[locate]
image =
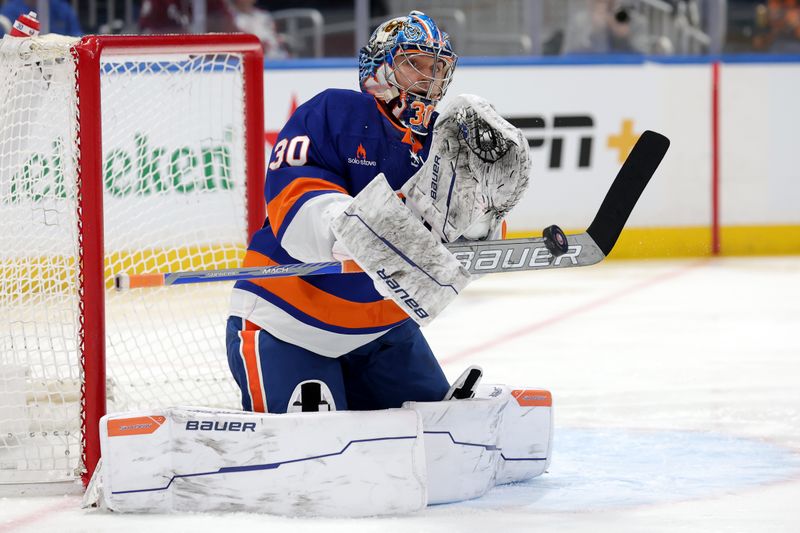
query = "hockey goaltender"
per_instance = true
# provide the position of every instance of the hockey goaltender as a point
(346, 410)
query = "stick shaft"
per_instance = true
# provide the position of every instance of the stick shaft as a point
(137, 281)
(478, 257)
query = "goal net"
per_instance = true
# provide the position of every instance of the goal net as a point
(118, 154)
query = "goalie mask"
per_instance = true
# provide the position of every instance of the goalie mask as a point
(408, 64)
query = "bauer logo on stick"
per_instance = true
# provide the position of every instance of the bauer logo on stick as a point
(507, 258)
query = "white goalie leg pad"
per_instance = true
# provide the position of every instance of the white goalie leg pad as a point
(342, 463)
(502, 435)
(526, 432)
(461, 445)
(396, 250)
(476, 171)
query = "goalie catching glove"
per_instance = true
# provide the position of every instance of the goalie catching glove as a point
(476, 172)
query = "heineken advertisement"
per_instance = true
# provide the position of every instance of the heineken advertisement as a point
(143, 169)
(157, 195)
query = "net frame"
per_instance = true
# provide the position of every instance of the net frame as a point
(87, 54)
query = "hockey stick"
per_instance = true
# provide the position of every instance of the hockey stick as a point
(582, 249)
(483, 257)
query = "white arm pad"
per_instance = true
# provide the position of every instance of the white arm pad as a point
(308, 237)
(477, 167)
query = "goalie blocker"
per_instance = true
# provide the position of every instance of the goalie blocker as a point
(403, 258)
(345, 463)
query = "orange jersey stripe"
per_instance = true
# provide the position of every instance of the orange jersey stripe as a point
(279, 207)
(323, 306)
(251, 367)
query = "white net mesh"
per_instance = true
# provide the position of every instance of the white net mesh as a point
(174, 199)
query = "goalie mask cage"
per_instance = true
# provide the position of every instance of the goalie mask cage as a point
(118, 154)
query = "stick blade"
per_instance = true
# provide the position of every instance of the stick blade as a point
(628, 186)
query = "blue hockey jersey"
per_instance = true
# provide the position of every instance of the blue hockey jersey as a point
(329, 150)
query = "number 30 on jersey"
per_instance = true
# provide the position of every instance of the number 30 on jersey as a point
(422, 113)
(294, 151)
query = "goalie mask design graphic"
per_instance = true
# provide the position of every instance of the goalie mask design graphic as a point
(408, 63)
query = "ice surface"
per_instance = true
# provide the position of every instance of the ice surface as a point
(677, 405)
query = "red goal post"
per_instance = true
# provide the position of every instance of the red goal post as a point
(208, 54)
(90, 163)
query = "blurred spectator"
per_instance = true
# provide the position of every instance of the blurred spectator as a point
(175, 16)
(605, 26)
(778, 26)
(687, 8)
(63, 19)
(251, 19)
(5, 25)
